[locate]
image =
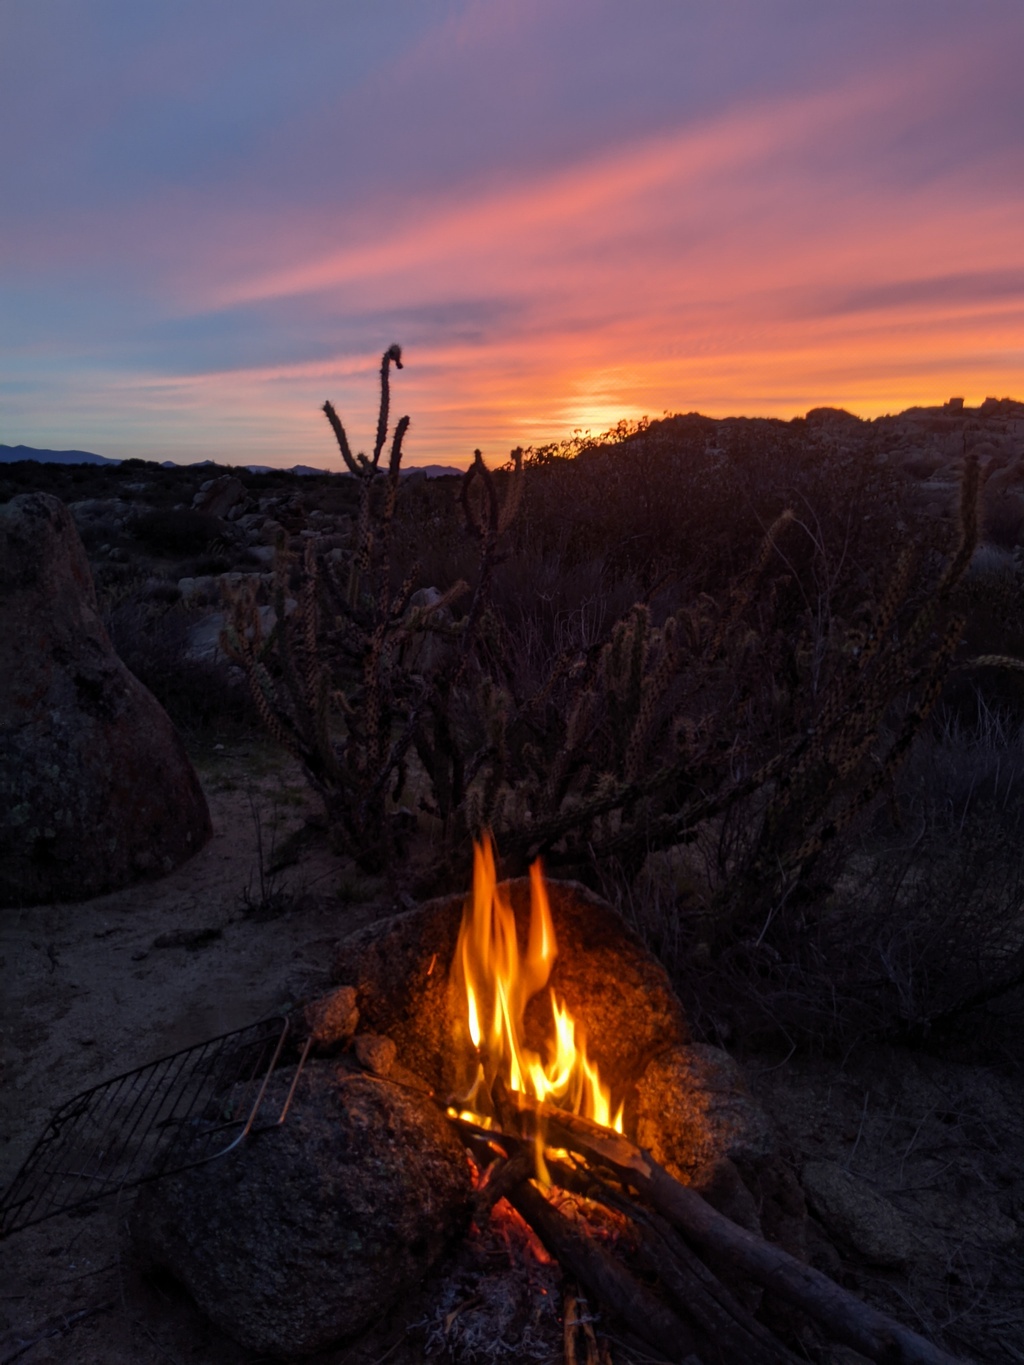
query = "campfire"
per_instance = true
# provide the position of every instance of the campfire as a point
(526, 1027)
(542, 1125)
(496, 982)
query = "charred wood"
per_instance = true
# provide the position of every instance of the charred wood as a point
(604, 1277)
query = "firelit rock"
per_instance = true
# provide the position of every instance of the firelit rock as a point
(333, 1018)
(694, 1108)
(617, 992)
(697, 1118)
(96, 789)
(308, 1232)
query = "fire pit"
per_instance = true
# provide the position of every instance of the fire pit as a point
(528, 1027)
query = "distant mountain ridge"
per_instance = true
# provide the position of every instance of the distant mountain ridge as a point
(12, 454)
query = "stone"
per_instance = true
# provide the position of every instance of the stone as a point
(427, 650)
(310, 1231)
(618, 993)
(333, 1018)
(375, 1053)
(96, 790)
(693, 1108)
(218, 497)
(856, 1216)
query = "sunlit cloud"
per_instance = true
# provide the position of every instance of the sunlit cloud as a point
(852, 240)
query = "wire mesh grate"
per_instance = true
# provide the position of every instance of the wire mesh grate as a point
(176, 1112)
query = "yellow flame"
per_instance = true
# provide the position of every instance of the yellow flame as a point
(497, 982)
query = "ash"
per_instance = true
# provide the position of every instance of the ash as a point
(501, 1299)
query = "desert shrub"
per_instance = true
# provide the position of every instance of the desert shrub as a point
(174, 531)
(619, 744)
(732, 698)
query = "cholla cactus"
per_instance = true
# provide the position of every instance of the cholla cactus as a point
(352, 743)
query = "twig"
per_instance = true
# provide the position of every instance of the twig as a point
(64, 1326)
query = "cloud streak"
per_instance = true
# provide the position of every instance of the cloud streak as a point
(749, 238)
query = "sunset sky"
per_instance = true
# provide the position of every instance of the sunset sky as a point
(215, 214)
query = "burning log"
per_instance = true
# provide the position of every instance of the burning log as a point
(843, 1317)
(603, 1276)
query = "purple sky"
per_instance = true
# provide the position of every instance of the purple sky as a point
(217, 213)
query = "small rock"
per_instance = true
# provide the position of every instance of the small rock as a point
(333, 1018)
(857, 1216)
(375, 1053)
(217, 497)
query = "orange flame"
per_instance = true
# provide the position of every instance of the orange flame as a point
(497, 983)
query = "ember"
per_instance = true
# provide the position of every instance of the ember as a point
(496, 982)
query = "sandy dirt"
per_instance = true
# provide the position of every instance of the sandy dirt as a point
(88, 993)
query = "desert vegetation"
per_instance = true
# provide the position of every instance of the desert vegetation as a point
(738, 675)
(707, 676)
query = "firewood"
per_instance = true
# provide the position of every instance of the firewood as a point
(604, 1277)
(692, 1287)
(843, 1317)
(503, 1177)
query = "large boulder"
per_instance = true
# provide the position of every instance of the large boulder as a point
(308, 1232)
(219, 497)
(96, 790)
(619, 995)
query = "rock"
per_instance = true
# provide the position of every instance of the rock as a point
(426, 651)
(333, 1019)
(694, 1108)
(310, 1231)
(217, 497)
(203, 588)
(96, 789)
(112, 512)
(856, 1216)
(375, 1053)
(202, 643)
(618, 993)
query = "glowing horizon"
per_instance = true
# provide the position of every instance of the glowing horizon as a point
(737, 209)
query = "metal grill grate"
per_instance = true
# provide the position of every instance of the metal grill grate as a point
(173, 1113)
